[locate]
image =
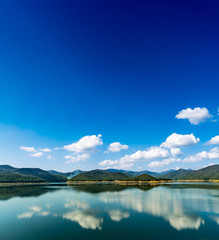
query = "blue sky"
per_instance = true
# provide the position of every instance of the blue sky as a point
(122, 69)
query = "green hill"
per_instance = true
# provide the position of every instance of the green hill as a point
(143, 177)
(12, 177)
(179, 174)
(67, 175)
(99, 175)
(34, 174)
(6, 168)
(39, 173)
(207, 173)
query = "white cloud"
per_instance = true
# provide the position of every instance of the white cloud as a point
(164, 162)
(195, 116)
(79, 157)
(45, 150)
(116, 147)
(28, 149)
(108, 163)
(50, 156)
(37, 154)
(129, 160)
(150, 153)
(175, 152)
(212, 154)
(85, 144)
(214, 140)
(193, 158)
(178, 140)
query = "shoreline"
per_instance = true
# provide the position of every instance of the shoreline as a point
(137, 182)
(118, 182)
(215, 181)
(31, 184)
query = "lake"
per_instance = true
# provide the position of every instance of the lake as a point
(100, 211)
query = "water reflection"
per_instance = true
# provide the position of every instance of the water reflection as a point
(86, 219)
(117, 215)
(179, 208)
(34, 211)
(182, 206)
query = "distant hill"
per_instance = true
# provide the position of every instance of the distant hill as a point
(99, 175)
(134, 173)
(39, 173)
(11, 174)
(67, 175)
(11, 177)
(207, 173)
(33, 174)
(179, 174)
(143, 177)
(6, 168)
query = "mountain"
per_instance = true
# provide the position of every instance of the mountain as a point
(6, 168)
(207, 173)
(12, 177)
(67, 175)
(39, 173)
(165, 172)
(178, 174)
(34, 174)
(133, 173)
(99, 175)
(143, 177)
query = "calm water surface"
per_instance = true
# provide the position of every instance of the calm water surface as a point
(172, 211)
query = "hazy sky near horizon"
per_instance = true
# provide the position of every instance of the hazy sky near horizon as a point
(109, 84)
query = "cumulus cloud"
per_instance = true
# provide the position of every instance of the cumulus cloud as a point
(116, 147)
(175, 152)
(108, 163)
(129, 160)
(28, 149)
(164, 162)
(45, 150)
(212, 154)
(214, 140)
(79, 157)
(85, 144)
(178, 140)
(37, 154)
(195, 116)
